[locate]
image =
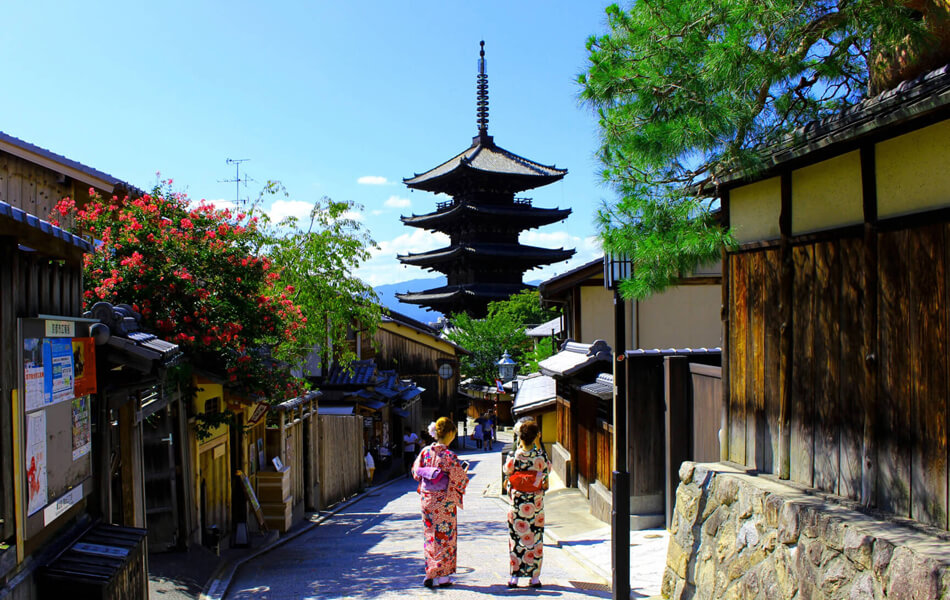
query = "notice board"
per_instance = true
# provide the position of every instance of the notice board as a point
(57, 364)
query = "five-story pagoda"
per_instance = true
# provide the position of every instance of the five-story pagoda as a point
(484, 261)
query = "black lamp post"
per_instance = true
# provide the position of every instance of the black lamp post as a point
(617, 267)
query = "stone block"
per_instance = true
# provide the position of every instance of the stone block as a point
(910, 576)
(702, 475)
(751, 500)
(862, 588)
(668, 584)
(832, 532)
(773, 509)
(711, 524)
(789, 524)
(727, 489)
(881, 558)
(677, 558)
(808, 518)
(687, 503)
(748, 536)
(858, 548)
(835, 577)
(686, 471)
(726, 541)
(785, 574)
(705, 577)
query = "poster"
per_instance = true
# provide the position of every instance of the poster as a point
(33, 379)
(82, 427)
(84, 367)
(58, 362)
(36, 461)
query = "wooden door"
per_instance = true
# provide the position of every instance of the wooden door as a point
(161, 486)
(707, 412)
(214, 486)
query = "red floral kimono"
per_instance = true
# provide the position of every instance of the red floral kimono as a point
(438, 509)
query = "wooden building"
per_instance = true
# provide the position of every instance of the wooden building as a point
(484, 260)
(836, 363)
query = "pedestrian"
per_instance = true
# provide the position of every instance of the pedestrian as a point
(409, 444)
(488, 434)
(442, 480)
(477, 434)
(527, 471)
(370, 466)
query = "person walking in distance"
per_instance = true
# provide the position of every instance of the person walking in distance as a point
(409, 445)
(488, 433)
(477, 434)
(527, 470)
(442, 481)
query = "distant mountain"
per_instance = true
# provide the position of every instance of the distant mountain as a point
(387, 297)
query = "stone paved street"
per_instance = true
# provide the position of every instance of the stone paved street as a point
(373, 549)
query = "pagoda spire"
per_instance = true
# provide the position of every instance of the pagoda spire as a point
(481, 110)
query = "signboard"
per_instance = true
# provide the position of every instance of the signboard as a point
(252, 498)
(260, 409)
(57, 377)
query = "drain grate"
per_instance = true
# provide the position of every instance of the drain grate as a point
(591, 586)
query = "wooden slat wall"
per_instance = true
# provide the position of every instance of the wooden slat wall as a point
(605, 467)
(845, 367)
(340, 457)
(645, 422)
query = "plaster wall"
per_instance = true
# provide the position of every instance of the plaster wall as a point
(754, 210)
(597, 315)
(685, 316)
(912, 173)
(827, 194)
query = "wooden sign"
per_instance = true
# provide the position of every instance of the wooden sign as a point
(252, 498)
(259, 411)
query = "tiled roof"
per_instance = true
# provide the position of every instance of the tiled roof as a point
(526, 214)
(450, 292)
(509, 252)
(574, 357)
(25, 219)
(122, 327)
(483, 156)
(602, 386)
(360, 372)
(552, 327)
(534, 393)
(910, 100)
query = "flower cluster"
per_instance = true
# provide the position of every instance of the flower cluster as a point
(197, 277)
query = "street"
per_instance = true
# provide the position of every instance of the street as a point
(373, 549)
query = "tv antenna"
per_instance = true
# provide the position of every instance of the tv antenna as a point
(237, 181)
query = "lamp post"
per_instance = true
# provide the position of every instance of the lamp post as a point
(506, 373)
(617, 267)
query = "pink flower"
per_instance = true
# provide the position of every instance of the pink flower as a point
(527, 510)
(521, 526)
(528, 540)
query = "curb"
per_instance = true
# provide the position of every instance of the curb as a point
(220, 581)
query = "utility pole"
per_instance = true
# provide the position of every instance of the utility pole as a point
(237, 181)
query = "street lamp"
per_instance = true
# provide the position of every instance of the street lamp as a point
(617, 267)
(506, 368)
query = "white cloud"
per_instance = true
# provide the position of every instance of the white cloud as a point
(352, 215)
(377, 212)
(372, 180)
(417, 241)
(588, 249)
(397, 202)
(281, 209)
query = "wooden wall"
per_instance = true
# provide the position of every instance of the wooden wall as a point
(30, 283)
(416, 361)
(340, 457)
(869, 395)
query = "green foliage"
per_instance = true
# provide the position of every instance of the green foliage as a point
(524, 307)
(688, 91)
(487, 339)
(502, 330)
(317, 258)
(543, 349)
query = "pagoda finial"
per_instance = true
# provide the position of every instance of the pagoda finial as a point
(482, 104)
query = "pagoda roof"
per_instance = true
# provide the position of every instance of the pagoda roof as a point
(527, 216)
(455, 293)
(509, 252)
(484, 159)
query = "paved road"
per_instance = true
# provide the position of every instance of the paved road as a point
(373, 549)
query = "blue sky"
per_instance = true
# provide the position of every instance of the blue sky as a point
(338, 99)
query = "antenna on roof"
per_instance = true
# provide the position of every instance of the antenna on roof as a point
(237, 181)
(482, 104)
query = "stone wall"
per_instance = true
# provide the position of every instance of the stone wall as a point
(737, 535)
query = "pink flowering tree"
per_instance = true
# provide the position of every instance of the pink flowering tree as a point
(199, 278)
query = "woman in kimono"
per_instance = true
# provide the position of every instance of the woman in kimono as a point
(526, 515)
(438, 507)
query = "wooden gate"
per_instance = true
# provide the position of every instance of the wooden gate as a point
(340, 457)
(161, 486)
(214, 484)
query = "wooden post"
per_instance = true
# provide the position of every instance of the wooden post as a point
(724, 342)
(10, 300)
(678, 420)
(783, 467)
(871, 318)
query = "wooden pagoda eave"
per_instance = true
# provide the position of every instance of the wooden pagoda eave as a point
(528, 217)
(518, 253)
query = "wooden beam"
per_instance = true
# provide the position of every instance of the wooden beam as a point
(869, 467)
(786, 298)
